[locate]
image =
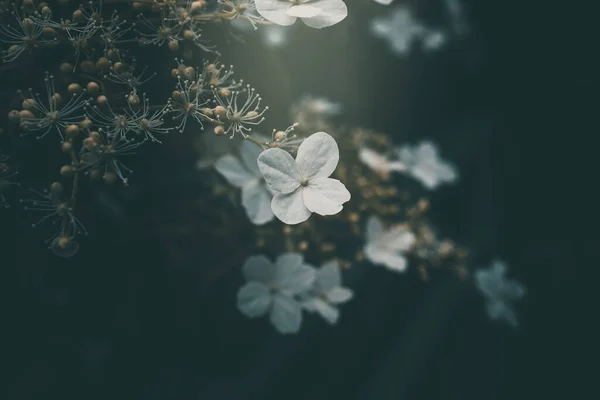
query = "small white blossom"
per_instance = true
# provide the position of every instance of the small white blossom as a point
(271, 288)
(314, 13)
(499, 292)
(303, 185)
(401, 30)
(425, 165)
(385, 247)
(256, 195)
(379, 162)
(327, 293)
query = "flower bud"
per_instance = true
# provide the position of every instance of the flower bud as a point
(173, 45)
(14, 116)
(72, 131)
(66, 68)
(109, 177)
(88, 66)
(220, 111)
(103, 63)
(66, 147)
(219, 130)
(66, 170)
(29, 104)
(224, 92)
(74, 88)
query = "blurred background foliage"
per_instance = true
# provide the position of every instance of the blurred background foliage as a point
(145, 311)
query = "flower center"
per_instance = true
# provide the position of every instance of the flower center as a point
(304, 182)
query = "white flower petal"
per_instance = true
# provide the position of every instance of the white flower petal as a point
(288, 260)
(290, 208)
(326, 310)
(399, 240)
(232, 169)
(325, 196)
(249, 153)
(259, 269)
(328, 277)
(253, 299)
(384, 2)
(294, 278)
(371, 159)
(375, 228)
(279, 169)
(303, 11)
(379, 256)
(275, 11)
(332, 12)
(286, 314)
(256, 199)
(317, 156)
(339, 295)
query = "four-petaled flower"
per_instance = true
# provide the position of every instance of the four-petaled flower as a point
(385, 247)
(379, 162)
(256, 195)
(327, 293)
(424, 164)
(303, 185)
(314, 13)
(272, 288)
(499, 292)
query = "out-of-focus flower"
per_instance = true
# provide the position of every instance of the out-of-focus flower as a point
(499, 292)
(211, 147)
(386, 247)
(303, 185)
(256, 196)
(384, 2)
(400, 29)
(327, 293)
(273, 35)
(321, 105)
(424, 164)
(379, 162)
(271, 289)
(314, 13)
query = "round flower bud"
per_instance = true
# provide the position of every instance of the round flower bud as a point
(220, 111)
(174, 73)
(96, 174)
(66, 170)
(78, 16)
(74, 88)
(72, 131)
(14, 116)
(112, 54)
(88, 66)
(93, 88)
(24, 114)
(210, 67)
(96, 136)
(46, 11)
(119, 66)
(13, 49)
(56, 188)
(63, 242)
(109, 177)
(206, 111)
(57, 99)
(66, 147)
(101, 100)
(86, 123)
(219, 130)
(28, 24)
(29, 104)
(251, 114)
(190, 72)
(48, 32)
(224, 92)
(188, 35)
(89, 143)
(173, 45)
(103, 63)
(279, 136)
(66, 68)
(177, 96)
(197, 5)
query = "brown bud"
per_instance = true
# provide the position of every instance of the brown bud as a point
(173, 45)
(109, 177)
(66, 170)
(220, 111)
(72, 131)
(206, 111)
(224, 92)
(86, 123)
(78, 16)
(177, 96)
(66, 147)
(188, 35)
(26, 114)
(119, 66)
(29, 104)
(88, 66)
(96, 173)
(101, 100)
(14, 116)
(219, 130)
(74, 88)
(103, 63)
(56, 188)
(66, 68)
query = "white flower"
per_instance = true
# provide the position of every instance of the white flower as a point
(314, 13)
(256, 195)
(384, 2)
(499, 292)
(425, 165)
(400, 29)
(327, 293)
(271, 289)
(302, 186)
(385, 247)
(379, 163)
(321, 105)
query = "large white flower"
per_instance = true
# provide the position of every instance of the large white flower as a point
(379, 162)
(303, 185)
(327, 293)
(385, 247)
(314, 13)
(271, 289)
(499, 292)
(424, 164)
(256, 195)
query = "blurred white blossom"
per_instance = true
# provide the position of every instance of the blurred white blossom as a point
(499, 292)
(210, 147)
(271, 288)
(320, 105)
(384, 2)
(245, 174)
(273, 36)
(303, 185)
(327, 293)
(400, 29)
(379, 162)
(386, 246)
(424, 164)
(314, 13)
